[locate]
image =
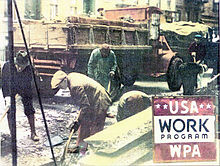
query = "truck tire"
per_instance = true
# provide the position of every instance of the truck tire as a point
(173, 76)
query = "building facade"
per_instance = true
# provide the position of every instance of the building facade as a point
(210, 14)
(173, 10)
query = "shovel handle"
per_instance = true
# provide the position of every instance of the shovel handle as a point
(4, 115)
(109, 86)
(69, 139)
(16, 96)
(67, 144)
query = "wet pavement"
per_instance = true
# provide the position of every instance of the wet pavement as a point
(59, 114)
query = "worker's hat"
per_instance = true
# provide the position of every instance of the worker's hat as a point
(198, 36)
(58, 77)
(100, 9)
(21, 59)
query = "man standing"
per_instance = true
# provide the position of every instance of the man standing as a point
(22, 87)
(102, 65)
(197, 49)
(189, 75)
(92, 99)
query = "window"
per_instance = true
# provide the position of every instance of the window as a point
(73, 2)
(147, 2)
(215, 5)
(14, 15)
(88, 6)
(178, 15)
(5, 8)
(53, 8)
(54, 1)
(73, 10)
(168, 4)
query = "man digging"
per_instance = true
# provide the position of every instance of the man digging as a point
(92, 99)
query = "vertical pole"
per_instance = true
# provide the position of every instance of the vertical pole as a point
(35, 82)
(218, 81)
(13, 105)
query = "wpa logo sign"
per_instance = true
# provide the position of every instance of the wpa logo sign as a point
(184, 128)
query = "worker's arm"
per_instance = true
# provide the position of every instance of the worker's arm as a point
(92, 63)
(114, 64)
(193, 54)
(114, 61)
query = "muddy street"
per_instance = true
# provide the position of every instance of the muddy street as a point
(59, 114)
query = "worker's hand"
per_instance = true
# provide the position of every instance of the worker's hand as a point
(111, 74)
(204, 68)
(7, 102)
(74, 126)
(193, 54)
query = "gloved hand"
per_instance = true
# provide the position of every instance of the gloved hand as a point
(74, 126)
(111, 74)
(7, 102)
(204, 68)
(193, 54)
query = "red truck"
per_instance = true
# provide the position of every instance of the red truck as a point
(57, 45)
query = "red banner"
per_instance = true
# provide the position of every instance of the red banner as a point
(184, 129)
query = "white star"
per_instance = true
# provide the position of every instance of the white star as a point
(208, 106)
(201, 106)
(158, 105)
(165, 106)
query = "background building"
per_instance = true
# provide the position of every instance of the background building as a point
(173, 10)
(205, 11)
(210, 13)
(3, 29)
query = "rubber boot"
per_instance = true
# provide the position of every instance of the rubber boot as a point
(31, 121)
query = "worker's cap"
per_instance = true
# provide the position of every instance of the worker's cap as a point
(105, 47)
(100, 9)
(198, 36)
(105, 50)
(58, 77)
(21, 59)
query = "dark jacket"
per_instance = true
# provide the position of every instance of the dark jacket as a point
(199, 48)
(22, 81)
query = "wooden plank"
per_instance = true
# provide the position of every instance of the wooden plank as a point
(47, 61)
(47, 67)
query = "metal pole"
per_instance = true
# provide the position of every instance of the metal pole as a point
(12, 114)
(35, 82)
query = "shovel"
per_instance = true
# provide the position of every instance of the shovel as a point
(67, 144)
(109, 86)
(16, 96)
(4, 115)
(69, 138)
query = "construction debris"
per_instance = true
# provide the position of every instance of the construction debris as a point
(117, 144)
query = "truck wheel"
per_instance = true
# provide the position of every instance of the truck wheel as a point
(173, 76)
